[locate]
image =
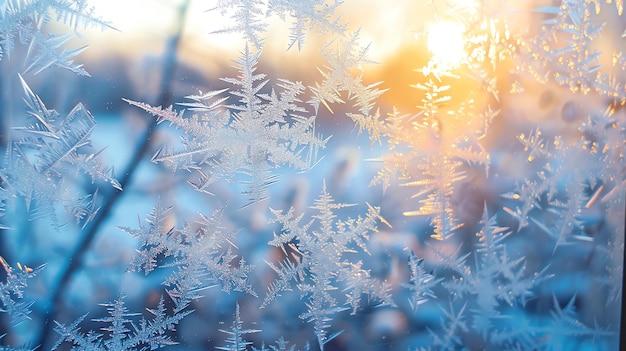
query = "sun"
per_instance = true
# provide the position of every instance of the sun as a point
(446, 43)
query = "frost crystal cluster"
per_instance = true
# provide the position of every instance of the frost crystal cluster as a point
(466, 191)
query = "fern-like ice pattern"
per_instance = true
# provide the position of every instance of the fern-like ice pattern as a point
(261, 132)
(24, 21)
(46, 152)
(201, 253)
(498, 226)
(318, 262)
(124, 334)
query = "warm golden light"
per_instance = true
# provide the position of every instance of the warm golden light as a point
(445, 42)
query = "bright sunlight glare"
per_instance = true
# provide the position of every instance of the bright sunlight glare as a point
(445, 42)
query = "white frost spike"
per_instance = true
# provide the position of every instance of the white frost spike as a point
(321, 263)
(48, 155)
(244, 141)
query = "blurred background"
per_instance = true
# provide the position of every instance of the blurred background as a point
(159, 51)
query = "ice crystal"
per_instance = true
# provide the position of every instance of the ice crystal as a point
(494, 278)
(201, 252)
(453, 326)
(122, 334)
(261, 132)
(235, 340)
(12, 291)
(421, 283)
(565, 325)
(280, 345)
(247, 18)
(567, 49)
(318, 261)
(24, 21)
(46, 153)
(344, 58)
(251, 17)
(551, 178)
(307, 14)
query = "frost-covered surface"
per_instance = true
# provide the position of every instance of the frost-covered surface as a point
(488, 214)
